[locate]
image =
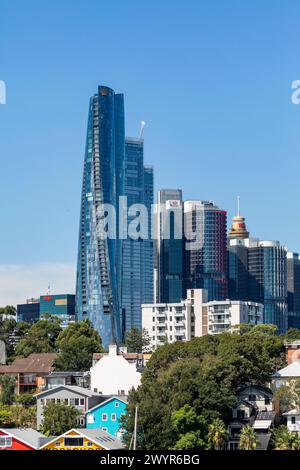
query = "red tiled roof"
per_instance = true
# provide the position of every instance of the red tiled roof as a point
(35, 363)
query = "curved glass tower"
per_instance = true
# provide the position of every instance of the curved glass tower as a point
(99, 265)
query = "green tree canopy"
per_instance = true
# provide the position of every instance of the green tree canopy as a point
(248, 439)
(205, 374)
(136, 340)
(58, 418)
(7, 393)
(76, 345)
(190, 430)
(40, 338)
(217, 433)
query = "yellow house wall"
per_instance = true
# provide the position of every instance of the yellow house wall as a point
(52, 446)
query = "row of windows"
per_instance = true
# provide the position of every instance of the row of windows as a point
(64, 401)
(5, 441)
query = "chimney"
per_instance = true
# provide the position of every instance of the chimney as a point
(112, 350)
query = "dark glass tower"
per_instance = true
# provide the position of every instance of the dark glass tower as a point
(205, 263)
(99, 268)
(137, 266)
(169, 262)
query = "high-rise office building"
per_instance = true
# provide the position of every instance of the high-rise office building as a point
(205, 251)
(169, 246)
(99, 268)
(137, 265)
(268, 280)
(293, 287)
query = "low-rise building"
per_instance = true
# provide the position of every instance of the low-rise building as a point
(287, 374)
(194, 317)
(21, 439)
(81, 398)
(293, 420)
(55, 378)
(107, 416)
(30, 372)
(112, 374)
(255, 408)
(83, 439)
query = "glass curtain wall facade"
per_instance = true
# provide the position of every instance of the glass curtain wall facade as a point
(137, 266)
(267, 267)
(99, 266)
(168, 252)
(205, 264)
(293, 285)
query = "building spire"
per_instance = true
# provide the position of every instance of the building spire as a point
(238, 227)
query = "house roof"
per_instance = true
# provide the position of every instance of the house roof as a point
(123, 400)
(263, 441)
(34, 363)
(293, 412)
(28, 436)
(98, 436)
(127, 356)
(73, 388)
(265, 390)
(292, 370)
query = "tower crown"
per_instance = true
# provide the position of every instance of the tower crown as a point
(238, 227)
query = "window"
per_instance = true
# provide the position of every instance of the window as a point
(113, 417)
(104, 417)
(72, 401)
(66, 401)
(104, 429)
(252, 397)
(241, 414)
(96, 390)
(5, 441)
(42, 401)
(90, 419)
(81, 401)
(267, 401)
(293, 420)
(73, 441)
(89, 444)
(76, 401)
(117, 404)
(57, 444)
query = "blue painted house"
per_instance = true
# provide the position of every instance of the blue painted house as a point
(107, 415)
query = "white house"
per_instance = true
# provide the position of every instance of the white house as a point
(293, 420)
(112, 374)
(285, 375)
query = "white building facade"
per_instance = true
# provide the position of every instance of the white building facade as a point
(112, 374)
(195, 316)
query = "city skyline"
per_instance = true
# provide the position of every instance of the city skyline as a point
(246, 124)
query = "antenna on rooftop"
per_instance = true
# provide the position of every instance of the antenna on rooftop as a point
(238, 205)
(142, 129)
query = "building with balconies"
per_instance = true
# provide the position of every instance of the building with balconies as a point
(194, 316)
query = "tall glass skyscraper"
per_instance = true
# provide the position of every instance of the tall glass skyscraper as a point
(169, 256)
(99, 268)
(205, 263)
(137, 267)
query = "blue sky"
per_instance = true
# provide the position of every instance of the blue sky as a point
(212, 80)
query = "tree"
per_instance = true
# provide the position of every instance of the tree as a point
(40, 338)
(7, 384)
(9, 310)
(288, 396)
(292, 334)
(26, 399)
(58, 418)
(204, 373)
(217, 433)
(190, 429)
(23, 416)
(248, 439)
(137, 341)
(76, 345)
(5, 417)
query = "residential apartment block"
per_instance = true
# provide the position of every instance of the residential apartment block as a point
(194, 316)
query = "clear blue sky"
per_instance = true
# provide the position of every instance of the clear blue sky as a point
(212, 80)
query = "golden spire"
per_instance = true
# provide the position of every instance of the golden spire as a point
(238, 228)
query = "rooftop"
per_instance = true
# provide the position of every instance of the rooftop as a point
(34, 363)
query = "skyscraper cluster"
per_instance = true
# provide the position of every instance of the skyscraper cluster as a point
(175, 246)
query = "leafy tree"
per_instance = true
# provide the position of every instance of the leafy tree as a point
(248, 439)
(190, 429)
(8, 310)
(40, 338)
(76, 345)
(137, 341)
(217, 433)
(292, 334)
(5, 417)
(282, 439)
(58, 418)
(205, 374)
(23, 416)
(26, 399)
(7, 384)
(288, 396)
